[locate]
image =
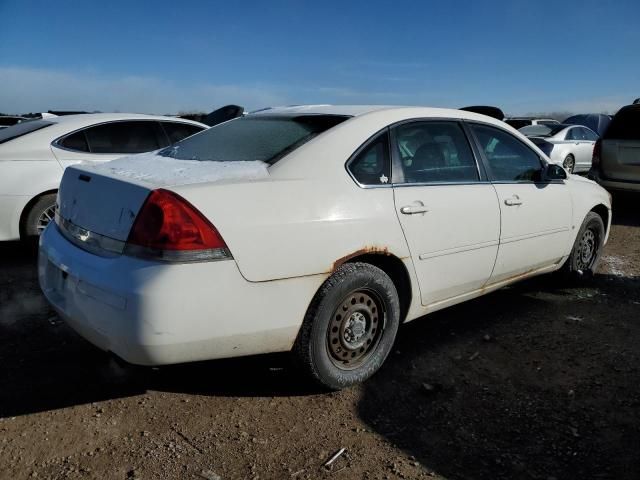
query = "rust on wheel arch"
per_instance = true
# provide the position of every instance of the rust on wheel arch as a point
(363, 251)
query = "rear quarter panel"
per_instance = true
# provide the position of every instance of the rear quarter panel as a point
(296, 227)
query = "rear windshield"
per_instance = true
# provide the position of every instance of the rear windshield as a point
(542, 130)
(260, 137)
(625, 125)
(21, 129)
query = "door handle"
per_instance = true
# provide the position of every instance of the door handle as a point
(515, 200)
(413, 209)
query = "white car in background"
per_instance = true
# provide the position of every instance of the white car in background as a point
(33, 155)
(568, 145)
(315, 229)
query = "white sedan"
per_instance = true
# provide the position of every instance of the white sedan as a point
(316, 230)
(568, 145)
(33, 155)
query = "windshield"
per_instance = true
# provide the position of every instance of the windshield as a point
(21, 129)
(542, 130)
(259, 137)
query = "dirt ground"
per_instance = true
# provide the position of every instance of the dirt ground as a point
(537, 381)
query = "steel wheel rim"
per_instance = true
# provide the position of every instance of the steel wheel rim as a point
(45, 217)
(355, 329)
(587, 249)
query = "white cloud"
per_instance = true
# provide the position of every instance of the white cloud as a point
(26, 89)
(32, 90)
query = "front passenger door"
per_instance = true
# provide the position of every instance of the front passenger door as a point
(448, 210)
(535, 216)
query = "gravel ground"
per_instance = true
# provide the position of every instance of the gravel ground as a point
(536, 381)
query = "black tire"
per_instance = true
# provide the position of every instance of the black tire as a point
(35, 223)
(365, 333)
(587, 249)
(569, 163)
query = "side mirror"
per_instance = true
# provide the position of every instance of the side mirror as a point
(554, 172)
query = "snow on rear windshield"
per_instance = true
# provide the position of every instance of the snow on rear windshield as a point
(252, 138)
(20, 129)
(165, 171)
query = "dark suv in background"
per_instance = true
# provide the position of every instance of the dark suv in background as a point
(616, 155)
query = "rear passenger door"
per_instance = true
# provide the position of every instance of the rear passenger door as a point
(108, 141)
(448, 210)
(535, 215)
(585, 140)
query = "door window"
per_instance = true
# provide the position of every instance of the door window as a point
(435, 152)
(510, 160)
(126, 137)
(589, 135)
(372, 166)
(572, 134)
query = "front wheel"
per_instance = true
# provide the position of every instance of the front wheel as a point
(587, 249)
(349, 328)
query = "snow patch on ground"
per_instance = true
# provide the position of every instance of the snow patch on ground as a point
(166, 171)
(615, 265)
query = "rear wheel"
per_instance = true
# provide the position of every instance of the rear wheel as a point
(587, 249)
(41, 213)
(569, 163)
(350, 326)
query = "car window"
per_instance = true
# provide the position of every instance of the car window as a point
(589, 134)
(76, 141)
(254, 137)
(435, 152)
(510, 160)
(126, 137)
(176, 131)
(372, 166)
(572, 134)
(582, 134)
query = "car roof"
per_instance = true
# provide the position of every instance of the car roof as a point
(90, 118)
(397, 111)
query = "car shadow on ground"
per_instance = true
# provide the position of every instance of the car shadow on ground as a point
(535, 381)
(625, 209)
(46, 366)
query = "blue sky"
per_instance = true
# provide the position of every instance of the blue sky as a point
(168, 56)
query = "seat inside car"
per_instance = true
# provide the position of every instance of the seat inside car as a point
(426, 163)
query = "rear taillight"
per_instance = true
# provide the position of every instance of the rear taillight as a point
(169, 228)
(597, 152)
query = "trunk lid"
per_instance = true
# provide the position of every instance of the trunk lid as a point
(100, 203)
(620, 159)
(106, 198)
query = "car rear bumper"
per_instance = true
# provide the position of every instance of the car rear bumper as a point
(620, 185)
(149, 313)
